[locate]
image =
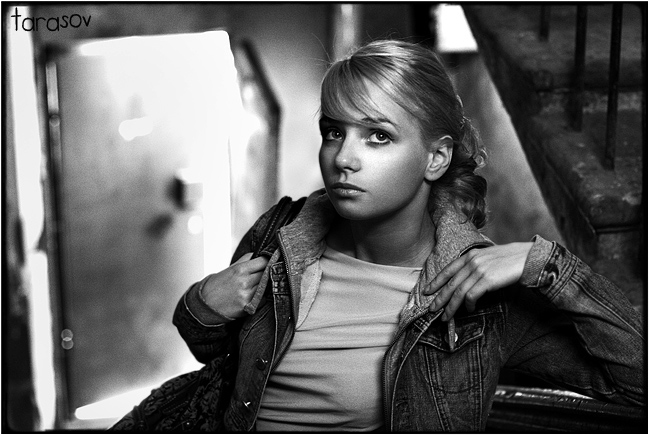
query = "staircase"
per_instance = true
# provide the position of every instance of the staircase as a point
(594, 190)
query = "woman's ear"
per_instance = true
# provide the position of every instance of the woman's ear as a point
(439, 158)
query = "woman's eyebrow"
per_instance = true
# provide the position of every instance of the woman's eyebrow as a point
(324, 119)
(367, 120)
(370, 120)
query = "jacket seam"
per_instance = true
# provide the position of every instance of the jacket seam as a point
(196, 318)
(554, 289)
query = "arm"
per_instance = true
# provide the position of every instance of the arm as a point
(565, 323)
(575, 328)
(205, 340)
(206, 328)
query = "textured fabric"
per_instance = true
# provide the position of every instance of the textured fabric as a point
(330, 377)
(575, 329)
(185, 403)
(535, 262)
(197, 306)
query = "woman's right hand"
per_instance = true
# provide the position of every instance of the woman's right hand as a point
(227, 292)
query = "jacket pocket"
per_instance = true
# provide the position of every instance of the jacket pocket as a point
(469, 327)
(474, 357)
(450, 386)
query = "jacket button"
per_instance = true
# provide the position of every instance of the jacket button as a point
(260, 364)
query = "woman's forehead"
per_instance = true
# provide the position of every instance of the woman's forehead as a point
(347, 113)
(354, 102)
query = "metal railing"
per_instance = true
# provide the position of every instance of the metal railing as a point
(580, 67)
(613, 82)
(614, 71)
(613, 90)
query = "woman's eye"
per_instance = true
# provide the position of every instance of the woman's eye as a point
(379, 137)
(332, 134)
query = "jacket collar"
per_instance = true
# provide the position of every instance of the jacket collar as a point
(455, 235)
(303, 242)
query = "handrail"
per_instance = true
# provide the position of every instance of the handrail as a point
(523, 409)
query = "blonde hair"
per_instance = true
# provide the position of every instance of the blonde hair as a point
(414, 77)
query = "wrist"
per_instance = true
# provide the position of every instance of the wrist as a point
(201, 297)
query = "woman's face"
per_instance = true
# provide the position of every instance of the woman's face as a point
(373, 167)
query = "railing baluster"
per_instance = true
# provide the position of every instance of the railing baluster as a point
(613, 84)
(544, 29)
(580, 67)
(643, 210)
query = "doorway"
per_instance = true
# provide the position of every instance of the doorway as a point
(142, 133)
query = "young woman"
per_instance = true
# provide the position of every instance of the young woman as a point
(384, 307)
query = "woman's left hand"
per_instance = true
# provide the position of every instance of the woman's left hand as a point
(477, 272)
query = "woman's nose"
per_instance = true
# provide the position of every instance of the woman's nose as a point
(347, 156)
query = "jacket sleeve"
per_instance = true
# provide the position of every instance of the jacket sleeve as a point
(204, 331)
(574, 328)
(205, 341)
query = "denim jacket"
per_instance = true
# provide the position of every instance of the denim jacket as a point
(561, 322)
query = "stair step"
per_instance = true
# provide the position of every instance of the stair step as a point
(597, 210)
(606, 198)
(510, 46)
(628, 149)
(549, 65)
(628, 132)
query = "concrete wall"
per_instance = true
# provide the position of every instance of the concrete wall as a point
(517, 211)
(291, 40)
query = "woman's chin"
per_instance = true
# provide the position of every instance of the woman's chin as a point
(353, 210)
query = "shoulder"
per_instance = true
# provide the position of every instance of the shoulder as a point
(284, 211)
(280, 214)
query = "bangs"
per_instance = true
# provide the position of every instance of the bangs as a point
(344, 95)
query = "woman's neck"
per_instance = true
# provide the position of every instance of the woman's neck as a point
(386, 241)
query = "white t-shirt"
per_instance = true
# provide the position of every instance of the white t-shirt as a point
(330, 376)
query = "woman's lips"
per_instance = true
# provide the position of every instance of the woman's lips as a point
(346, 189)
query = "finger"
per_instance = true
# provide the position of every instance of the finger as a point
(442, 278)
(245, 296)
(252, 266)
(474, 294)
(244, 257)
(447, 291)
(253, 279)
(459, 296)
